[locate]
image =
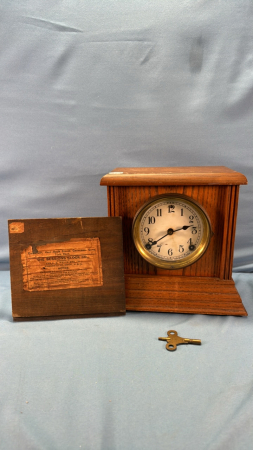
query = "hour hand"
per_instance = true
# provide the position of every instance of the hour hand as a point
(183, 228)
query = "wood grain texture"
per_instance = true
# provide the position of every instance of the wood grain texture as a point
(105, 297)
(167, 176)
(205, 287)
(183, 295)
(232, 231)
(125, 202)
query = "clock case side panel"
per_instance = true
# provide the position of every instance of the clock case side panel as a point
(229, 233)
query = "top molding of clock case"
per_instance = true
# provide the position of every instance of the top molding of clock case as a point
(167, 176)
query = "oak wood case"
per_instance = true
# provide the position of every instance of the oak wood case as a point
(149, 288)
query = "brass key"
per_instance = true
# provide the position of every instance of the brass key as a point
(173, 340)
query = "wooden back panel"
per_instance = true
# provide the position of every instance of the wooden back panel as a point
(65, 286)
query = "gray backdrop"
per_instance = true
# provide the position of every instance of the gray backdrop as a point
(87, 86)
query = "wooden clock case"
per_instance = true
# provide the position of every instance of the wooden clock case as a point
(205, 287)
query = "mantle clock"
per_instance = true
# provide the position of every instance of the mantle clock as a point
(178, 236)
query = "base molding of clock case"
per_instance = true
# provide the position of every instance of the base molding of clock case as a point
(190, 295)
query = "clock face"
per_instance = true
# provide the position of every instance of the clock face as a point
(171, 231)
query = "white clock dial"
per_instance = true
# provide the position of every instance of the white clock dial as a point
(171, 231)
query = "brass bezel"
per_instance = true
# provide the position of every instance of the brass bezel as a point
(188, 260)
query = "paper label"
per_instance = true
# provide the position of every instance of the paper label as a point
(17, 227)
(64, 265)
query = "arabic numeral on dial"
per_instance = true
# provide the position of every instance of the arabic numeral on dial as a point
(182, 212)
(181, 249)
(171, 208)
(170, 252)
(194, 230)
(151, 220)
(191, 219)
(146, 230)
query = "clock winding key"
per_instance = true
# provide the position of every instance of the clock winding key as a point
(173, 340)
